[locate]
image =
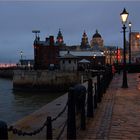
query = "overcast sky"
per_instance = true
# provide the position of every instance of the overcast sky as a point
(19, 18)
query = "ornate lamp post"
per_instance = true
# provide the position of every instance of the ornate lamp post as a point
(124, 16)
(130, 25)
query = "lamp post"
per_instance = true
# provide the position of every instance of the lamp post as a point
(130, 25)
(124, 16)
(21, 55)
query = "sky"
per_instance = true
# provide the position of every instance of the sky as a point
(18, 19)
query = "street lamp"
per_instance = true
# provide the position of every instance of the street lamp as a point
(130, 25)
(124, 16)
(21, 54)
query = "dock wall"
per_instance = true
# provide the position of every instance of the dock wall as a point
(44, 80)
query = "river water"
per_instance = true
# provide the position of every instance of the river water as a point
(16, 105)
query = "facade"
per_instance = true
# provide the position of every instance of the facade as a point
(97, 40)
(93, 58)
(135, 46)
(45, 53)
(68, 62)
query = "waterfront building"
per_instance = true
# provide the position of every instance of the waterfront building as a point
(135, 46)
(68, 62)
(93, 58)
(45, 53)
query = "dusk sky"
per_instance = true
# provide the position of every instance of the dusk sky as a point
(19, 18)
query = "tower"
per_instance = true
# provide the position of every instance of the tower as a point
(84, 41)
(59, 40)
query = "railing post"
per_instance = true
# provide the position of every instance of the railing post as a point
(90, 99)
(71, 122)
(49, 128)
(83, 117)
(3, 131)
(98, 87)
(95, 95)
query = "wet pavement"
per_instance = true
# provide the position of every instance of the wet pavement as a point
(118, 115)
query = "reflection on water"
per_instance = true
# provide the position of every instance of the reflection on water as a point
(16, 105)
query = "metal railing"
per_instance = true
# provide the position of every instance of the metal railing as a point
(81, 101)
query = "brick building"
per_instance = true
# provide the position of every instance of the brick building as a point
(45, 53)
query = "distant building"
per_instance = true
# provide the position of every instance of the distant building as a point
(26, 63)
(97, 40)
(84, 42)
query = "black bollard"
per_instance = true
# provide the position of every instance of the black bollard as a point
(80, 96)
(71, 121)
(98, 88)
(3, 131)
(49, 128)
(83, 117)
(90, 99)
(95, 95)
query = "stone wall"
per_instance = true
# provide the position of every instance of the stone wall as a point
(44, 79)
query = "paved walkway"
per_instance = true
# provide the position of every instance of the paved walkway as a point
(118, 115)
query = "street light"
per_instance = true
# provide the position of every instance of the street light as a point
(130, 25)
(124, 16)
(21, 54)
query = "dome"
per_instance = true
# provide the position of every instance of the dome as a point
(97, 35)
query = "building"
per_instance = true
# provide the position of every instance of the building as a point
(68, 62)
(135, 45)
(84, 42)
(45, 53)
(93, 58)
(97, 40)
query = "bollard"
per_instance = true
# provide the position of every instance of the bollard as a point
(98, 88)
(95, 95)
(3, 131)
(80, 96)
(83, 117)
(71, 121)
(49, 128)
(90, 99)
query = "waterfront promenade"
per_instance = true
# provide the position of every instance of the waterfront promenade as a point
(118, 115)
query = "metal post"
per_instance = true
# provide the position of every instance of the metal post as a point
(90, 99)
(49, 128)
(124, 84)
(98, 87)
(71, 122)
(129, 44)
(95, 95)
(3, 131)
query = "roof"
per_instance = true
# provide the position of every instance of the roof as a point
(84, 61)
(97, 35)
(67, 55)
(82, 53)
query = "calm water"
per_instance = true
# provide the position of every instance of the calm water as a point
(14, 106)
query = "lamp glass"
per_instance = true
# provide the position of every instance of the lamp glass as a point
(124, 16)
(130, 24)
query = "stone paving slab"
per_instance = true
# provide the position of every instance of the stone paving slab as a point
(118, 115)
